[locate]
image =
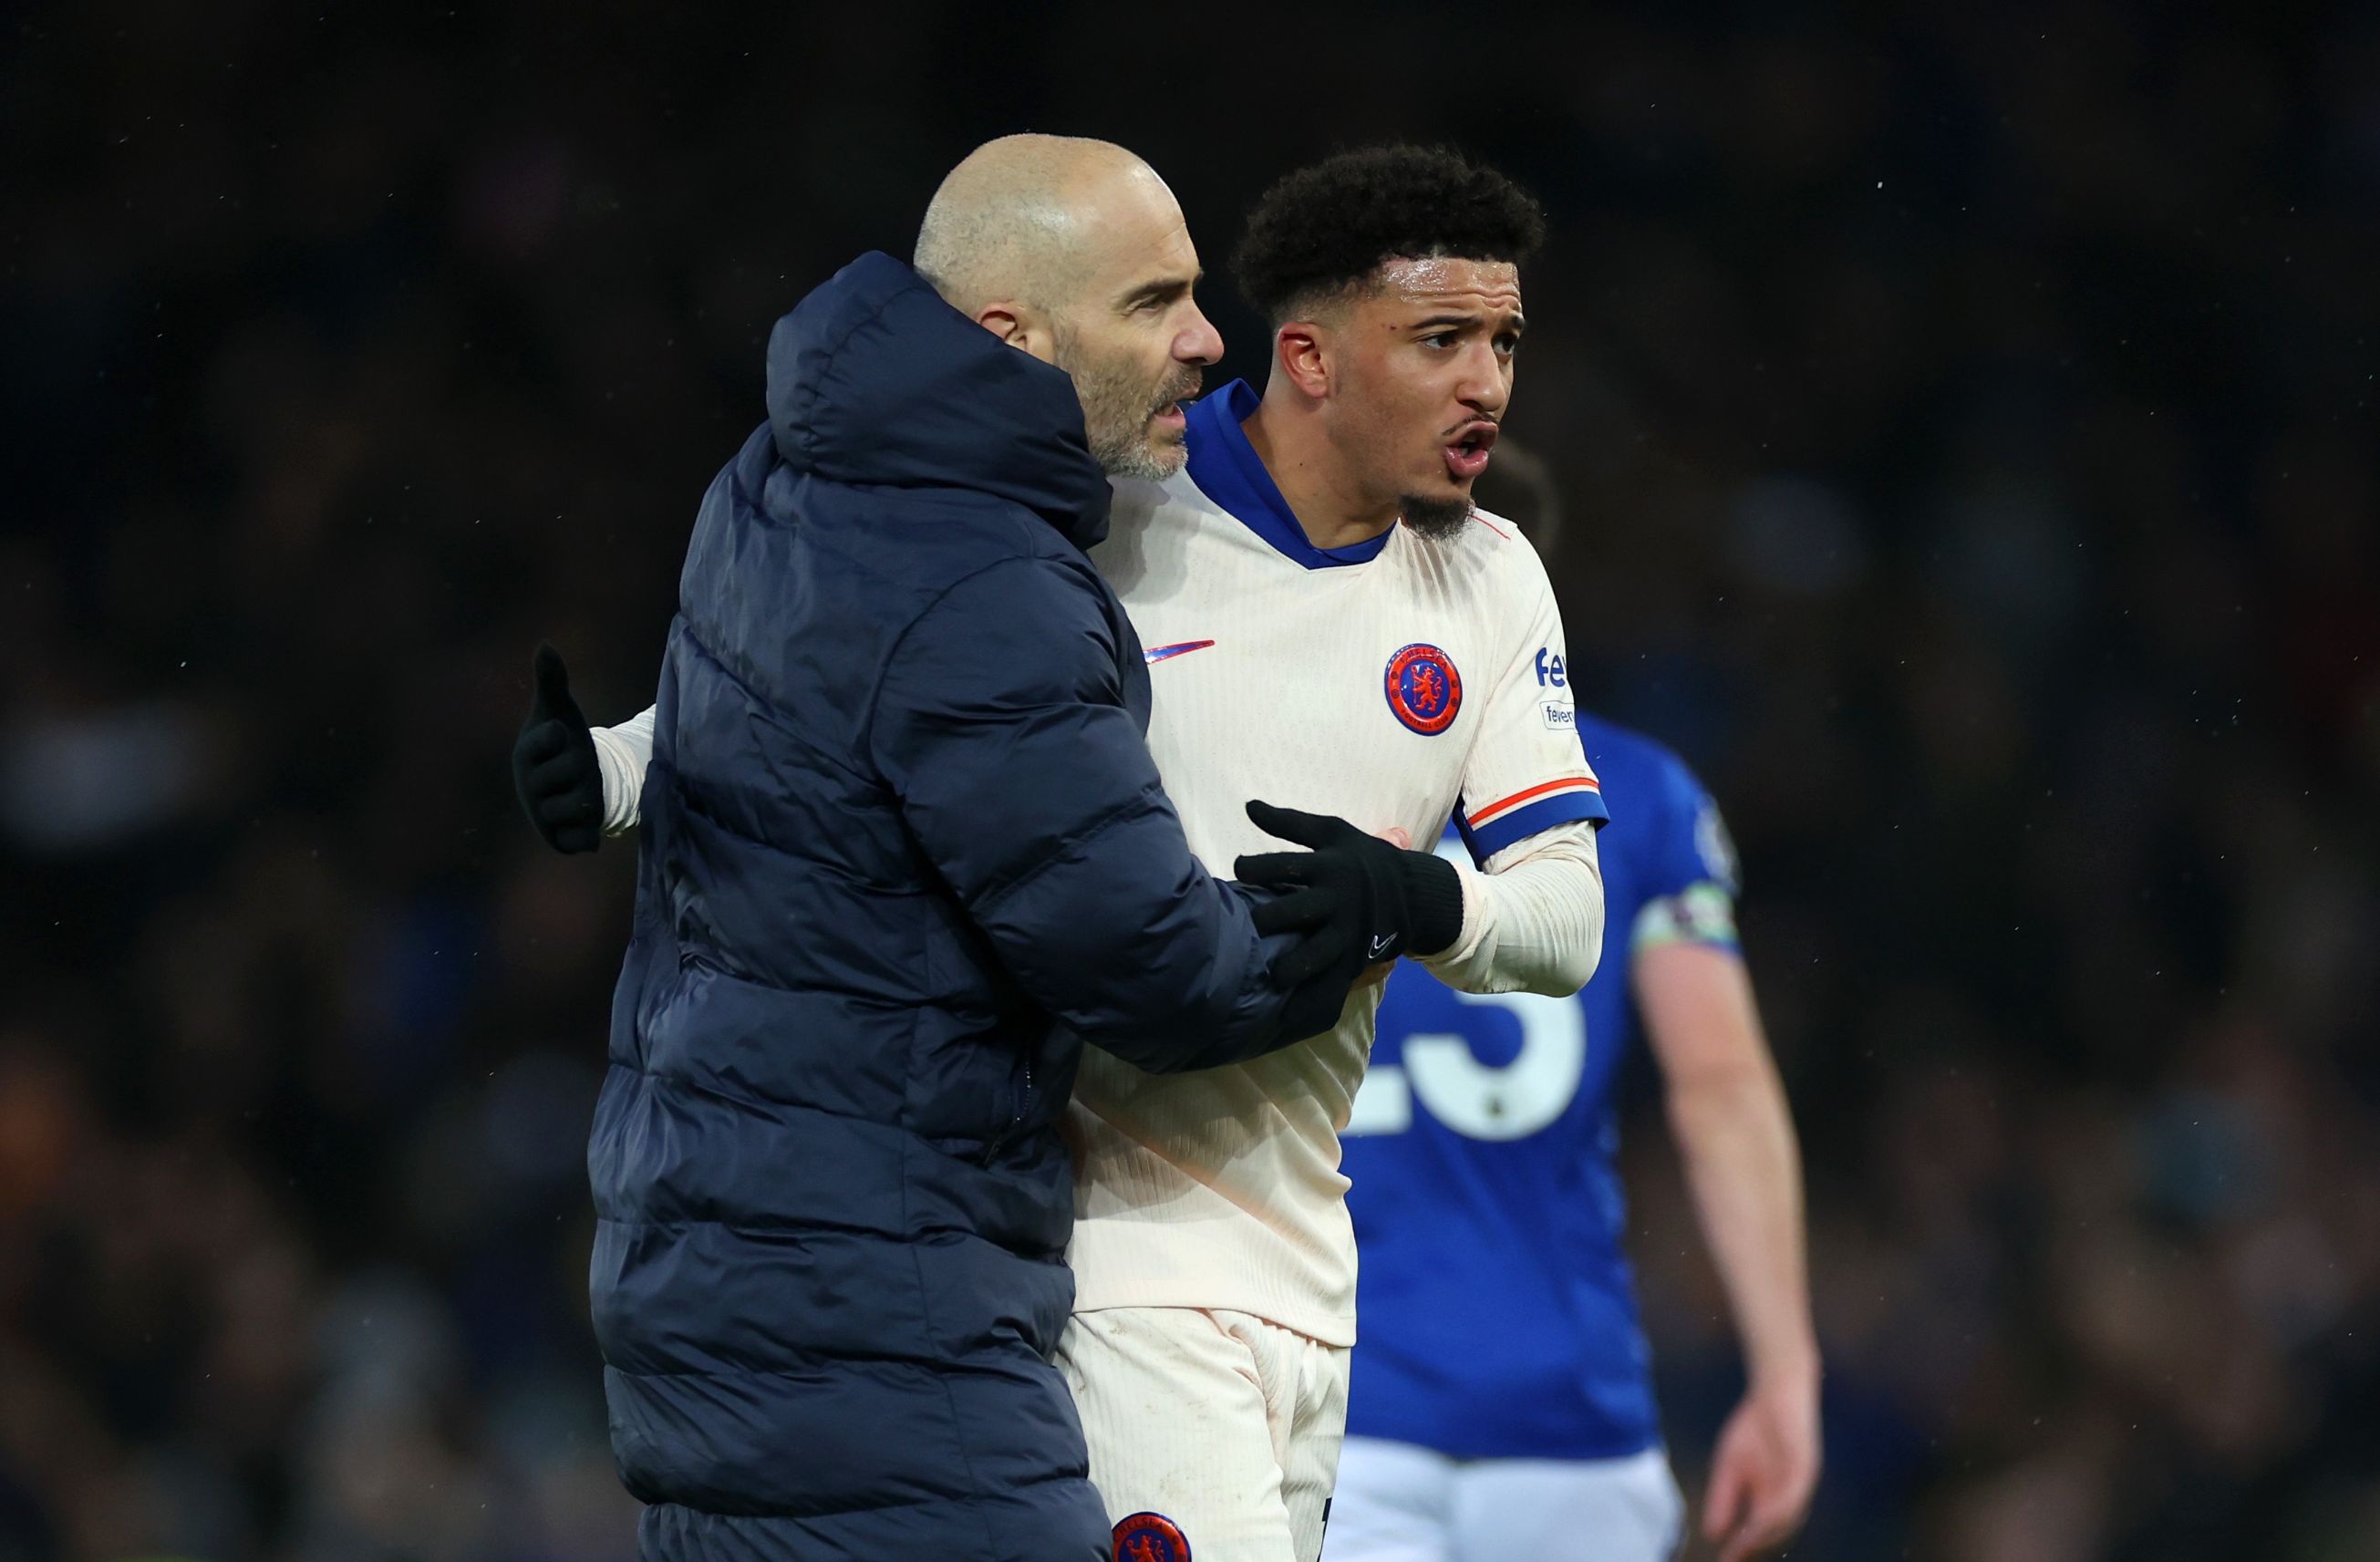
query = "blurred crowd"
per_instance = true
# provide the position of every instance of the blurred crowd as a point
(1966, 436)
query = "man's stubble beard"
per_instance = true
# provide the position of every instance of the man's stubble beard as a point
(1118, 405)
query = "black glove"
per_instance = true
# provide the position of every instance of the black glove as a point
(1316, 972)
(555, 769)
(1363, 899)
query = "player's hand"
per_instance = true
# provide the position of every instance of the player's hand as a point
(1348, 900)
(1384, 900)
(555, 769)
(1764, 1469)
(1313, 972)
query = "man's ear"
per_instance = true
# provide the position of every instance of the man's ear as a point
(1021, 326)
(1302, 349)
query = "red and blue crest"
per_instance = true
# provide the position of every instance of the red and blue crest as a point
(1150, 1537)
(1423, 689)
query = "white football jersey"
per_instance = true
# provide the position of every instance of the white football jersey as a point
(1392, 683)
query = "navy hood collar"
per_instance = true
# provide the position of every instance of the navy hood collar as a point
(873, 379)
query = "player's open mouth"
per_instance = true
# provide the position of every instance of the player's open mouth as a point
(1466, 455)
(1169, 416)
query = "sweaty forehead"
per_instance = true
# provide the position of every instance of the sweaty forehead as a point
(1450, 282)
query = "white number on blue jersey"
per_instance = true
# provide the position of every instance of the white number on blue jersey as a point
(1475, 1099)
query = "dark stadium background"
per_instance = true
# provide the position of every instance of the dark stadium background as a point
(1966, 430)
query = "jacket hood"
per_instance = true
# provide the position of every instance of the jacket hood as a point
(874, 379)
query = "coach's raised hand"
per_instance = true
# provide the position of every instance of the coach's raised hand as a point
(1382, 901)
(555, 769)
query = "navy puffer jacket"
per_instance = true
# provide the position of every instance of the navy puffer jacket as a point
(904, 851)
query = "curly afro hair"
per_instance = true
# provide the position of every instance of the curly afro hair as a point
(1324, 228)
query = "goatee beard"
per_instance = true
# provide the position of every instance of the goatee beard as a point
(1435, 518)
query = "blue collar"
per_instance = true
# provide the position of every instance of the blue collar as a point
(1226, 470)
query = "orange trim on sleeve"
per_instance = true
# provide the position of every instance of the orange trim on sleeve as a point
(1481, 815)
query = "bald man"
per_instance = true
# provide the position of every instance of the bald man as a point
(1075, 250)
(905, 851)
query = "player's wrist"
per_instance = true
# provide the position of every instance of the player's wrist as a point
(618, 775)
(1794, 1369)
(1433, 902)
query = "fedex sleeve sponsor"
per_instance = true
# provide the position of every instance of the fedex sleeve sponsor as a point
(1526, 772)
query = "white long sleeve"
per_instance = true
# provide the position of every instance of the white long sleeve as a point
(622, 753)
(1534, 921)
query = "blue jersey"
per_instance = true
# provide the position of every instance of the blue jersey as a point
(1497, 1315)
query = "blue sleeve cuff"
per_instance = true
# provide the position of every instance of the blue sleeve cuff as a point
(1521, 823)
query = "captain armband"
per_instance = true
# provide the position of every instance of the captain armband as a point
(1701, 914)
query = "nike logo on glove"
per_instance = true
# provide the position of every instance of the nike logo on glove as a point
(1180, 647)
(1380, 942)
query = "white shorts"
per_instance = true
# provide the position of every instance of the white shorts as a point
(1397, 1503)
(1214, 1435)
